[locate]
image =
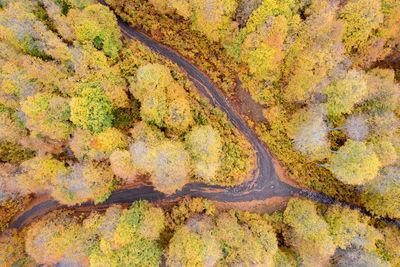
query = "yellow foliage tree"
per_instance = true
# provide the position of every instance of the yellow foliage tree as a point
(109, 140)
(315, 52)
(12, 248)
(83, 182)
(308, 233)
(205, 146)
(355, 163)
(213, 18)
(10, 131)
(38, 174)
(193, 248)
(170, 167)
(122, 165)
(163, 101)
(262, 50)
(48, 114)
(361, 17)
(350, 229)
(52, 238)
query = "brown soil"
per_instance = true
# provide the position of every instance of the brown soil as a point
(258, 206)
(246, 105)
(281, 172)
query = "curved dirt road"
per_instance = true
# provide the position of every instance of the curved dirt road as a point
(265, 185)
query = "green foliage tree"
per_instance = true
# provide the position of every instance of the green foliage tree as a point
(308, 233)
(390, 243)
(205, 146)
(96, 25)
(142, 252)
(56, 14)
(20, 27)
(79, 4)
(355, 163)
(133, 239)
(91, 109)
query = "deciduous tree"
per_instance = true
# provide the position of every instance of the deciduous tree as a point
(345, 93)
(263, 49)
(170, 167)
(355, 163)
(315, 52)
(134, 238)
(52, 238)
(360, 17)
(194, 245)
(48, 115)
(12, 247)
(96, 25)
(213, 18)
(382, 194)
(243, 244)
(357, 127)
(205, 147)
(83, 182)
(108, 140)
(81, 145)
(122, 165)
(10, 130)
(383, 91)
(356, 257)
(310, 132)
(20, 27)
(38, 174)
(163, 101)
(308, 233)
(91, 109)
(350, 230)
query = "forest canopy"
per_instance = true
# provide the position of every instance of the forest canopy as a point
(85, 111)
